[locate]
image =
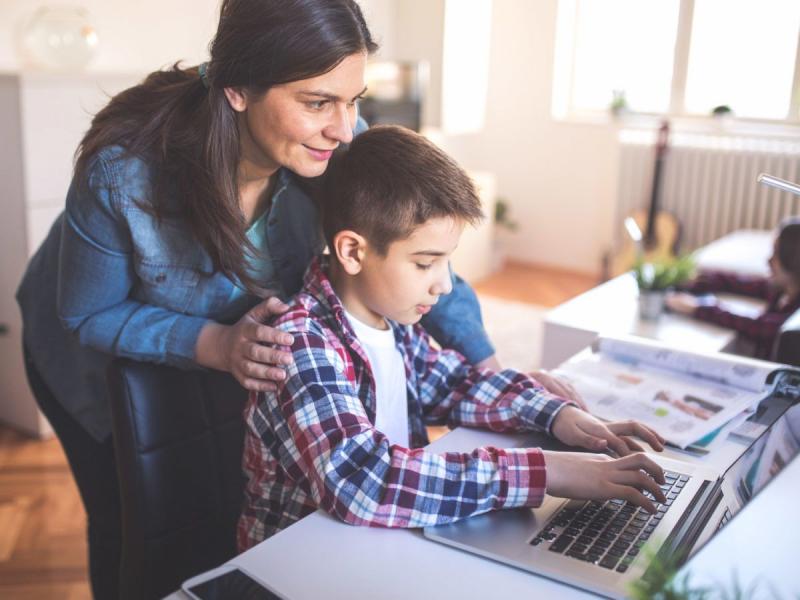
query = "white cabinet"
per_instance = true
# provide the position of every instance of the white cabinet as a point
(42, 119)
(472, 260)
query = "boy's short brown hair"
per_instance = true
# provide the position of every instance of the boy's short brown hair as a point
(390, 181)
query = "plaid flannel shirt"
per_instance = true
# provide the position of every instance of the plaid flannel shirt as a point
(762, 330)
(313, 444)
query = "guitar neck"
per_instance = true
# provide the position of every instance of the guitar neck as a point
(661, 150)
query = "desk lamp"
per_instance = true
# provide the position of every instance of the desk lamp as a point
(781, 184)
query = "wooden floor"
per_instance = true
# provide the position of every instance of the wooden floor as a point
(42, 525)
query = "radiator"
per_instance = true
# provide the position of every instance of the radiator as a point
(709, 182)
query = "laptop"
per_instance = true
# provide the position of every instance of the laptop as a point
(599, 545)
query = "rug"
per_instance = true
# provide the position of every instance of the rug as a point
(515, 329)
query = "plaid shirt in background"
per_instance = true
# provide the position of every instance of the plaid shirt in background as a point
(312, 444)
(762, 330)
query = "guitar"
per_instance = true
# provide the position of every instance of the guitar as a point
(652, 235)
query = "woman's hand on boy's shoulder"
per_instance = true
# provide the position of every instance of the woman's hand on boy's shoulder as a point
(576, 427)
(248, 349)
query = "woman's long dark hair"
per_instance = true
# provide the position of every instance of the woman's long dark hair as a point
(186, 130)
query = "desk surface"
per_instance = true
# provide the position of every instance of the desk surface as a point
(320, 557)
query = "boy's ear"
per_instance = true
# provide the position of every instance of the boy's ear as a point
(236, 98)
(349, 248)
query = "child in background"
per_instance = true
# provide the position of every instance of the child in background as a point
(345, 430)
(781, 291)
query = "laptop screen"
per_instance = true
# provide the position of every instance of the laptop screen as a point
(775, 445)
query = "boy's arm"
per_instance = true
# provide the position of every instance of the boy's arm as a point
(731, 283)
(765, 327)
(453, 391)
(328, 446)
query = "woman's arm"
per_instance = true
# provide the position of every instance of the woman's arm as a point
(97, 278)
(455, 322)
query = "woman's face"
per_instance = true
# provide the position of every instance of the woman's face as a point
(297, 125)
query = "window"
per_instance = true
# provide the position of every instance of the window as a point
(465, 69)
(679, 57)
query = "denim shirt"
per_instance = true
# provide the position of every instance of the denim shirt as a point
(111, 280)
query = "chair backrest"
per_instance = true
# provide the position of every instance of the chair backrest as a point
(178, 437)
(787, 346)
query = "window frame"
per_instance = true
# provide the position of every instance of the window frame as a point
(564, 76)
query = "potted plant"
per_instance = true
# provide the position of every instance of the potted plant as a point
(619, 103)
(655, 277)
(503, 223)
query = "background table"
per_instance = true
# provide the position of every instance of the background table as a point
(612, 307)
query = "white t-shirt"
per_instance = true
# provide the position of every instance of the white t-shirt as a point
(389, 372)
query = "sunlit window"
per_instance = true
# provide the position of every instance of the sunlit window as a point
(678, 56)
(611, 53)
(465, 69)
(743, 55)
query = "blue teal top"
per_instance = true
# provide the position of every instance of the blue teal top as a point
(111, 280)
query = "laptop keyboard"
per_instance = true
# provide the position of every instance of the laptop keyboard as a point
(725, 518)
(611, 533)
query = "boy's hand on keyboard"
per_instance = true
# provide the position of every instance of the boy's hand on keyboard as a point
(578, 428)
(599, 477)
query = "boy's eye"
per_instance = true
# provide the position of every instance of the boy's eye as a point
(423, 266)
(317, 104)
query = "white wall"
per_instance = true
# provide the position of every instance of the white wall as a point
(134, 36)
(559, 178)
(145, 35)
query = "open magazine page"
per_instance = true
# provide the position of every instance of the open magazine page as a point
(679, 406)
(737, 371)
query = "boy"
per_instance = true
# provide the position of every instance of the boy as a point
(345, 429)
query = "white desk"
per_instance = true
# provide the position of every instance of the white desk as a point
(320, 557)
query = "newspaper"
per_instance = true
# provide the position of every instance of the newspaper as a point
(684, 396)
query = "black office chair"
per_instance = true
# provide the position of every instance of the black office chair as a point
(787, 346)
(178, 437)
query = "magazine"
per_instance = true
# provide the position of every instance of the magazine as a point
(684, 396)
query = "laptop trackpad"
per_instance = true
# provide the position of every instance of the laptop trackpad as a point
(497, 532)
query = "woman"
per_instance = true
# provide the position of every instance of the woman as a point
(189, 214)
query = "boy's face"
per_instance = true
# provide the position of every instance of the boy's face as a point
(404, 284)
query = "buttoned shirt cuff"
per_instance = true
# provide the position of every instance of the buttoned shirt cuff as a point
(526, 476)
(182, 341)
